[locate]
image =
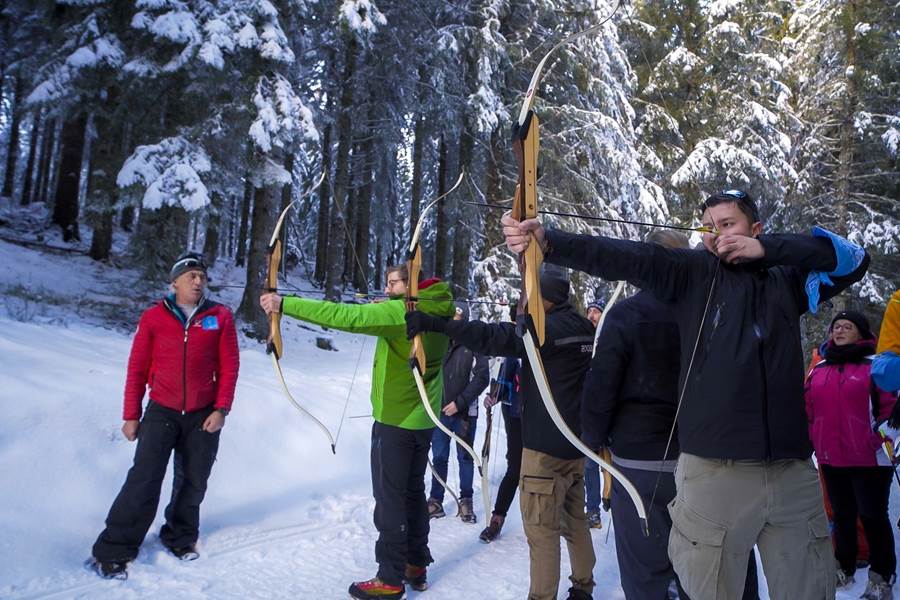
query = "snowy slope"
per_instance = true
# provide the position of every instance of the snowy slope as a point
(283, 518)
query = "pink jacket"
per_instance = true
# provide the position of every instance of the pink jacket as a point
(840, 413)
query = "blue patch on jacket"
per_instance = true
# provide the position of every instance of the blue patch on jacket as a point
(849, 257)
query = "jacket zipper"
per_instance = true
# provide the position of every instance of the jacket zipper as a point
(184, 371)
(757, 330)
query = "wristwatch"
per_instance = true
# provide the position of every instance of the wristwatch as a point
(224, 411)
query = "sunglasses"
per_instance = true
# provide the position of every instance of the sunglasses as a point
(189, 262)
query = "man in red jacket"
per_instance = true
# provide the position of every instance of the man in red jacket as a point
(185, 353)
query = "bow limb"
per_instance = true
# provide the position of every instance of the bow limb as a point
(275, 343)
(605, 495)
(417, 361)
(540, 377)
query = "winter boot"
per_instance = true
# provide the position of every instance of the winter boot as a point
(416, 577)
(492, 531)
(466, 512)
(109, 569)
(185, 552)
(575, 594)
(376, 589)
(435, 509)
(594, 521)
(878, 588)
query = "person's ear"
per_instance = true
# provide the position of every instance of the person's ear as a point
(756, 229)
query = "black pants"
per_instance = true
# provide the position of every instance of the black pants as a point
(863, 492)
(399, 457)
(644, 566)
(162, 430)
(510, 483)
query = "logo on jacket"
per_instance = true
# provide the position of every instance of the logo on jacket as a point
(211, 322)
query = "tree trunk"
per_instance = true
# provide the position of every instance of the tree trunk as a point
(350, 209)
(106, 158)
(211, 239)
(442, 220)
(43, 166)
(850, 103)
(364, 207)
(65, 209)
(287, 193)
(462, 240)
(415, 199)
(334, 256)
(28, 185)
(51, 174)
(12, 154)
(322, 217)
(265, 211)
(241, 250)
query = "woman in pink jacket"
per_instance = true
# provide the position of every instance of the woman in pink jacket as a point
(845, 409)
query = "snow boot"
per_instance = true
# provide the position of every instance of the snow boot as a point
(185, 552)
(492, 531)
(109, 569)
(466, 512)
(878, 588)
(575, 594)
(594, 521)
(416, 577)
(376, 589)
(435, 509)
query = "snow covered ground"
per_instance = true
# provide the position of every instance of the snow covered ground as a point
(283, 518)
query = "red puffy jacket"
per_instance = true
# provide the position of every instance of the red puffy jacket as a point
(842, 417)
(186, 368)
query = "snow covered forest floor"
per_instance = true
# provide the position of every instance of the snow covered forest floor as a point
(283, 518)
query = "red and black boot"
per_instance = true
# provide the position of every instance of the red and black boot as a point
(416, 577)
(376, 589)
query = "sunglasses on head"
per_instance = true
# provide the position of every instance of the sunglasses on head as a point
(190, 261)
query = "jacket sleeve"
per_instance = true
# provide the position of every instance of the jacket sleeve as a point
(229, 363)
(807, 396)
(603, 382)
(667, 273)
(384, 319)
(139, 362)
(821, 266)
(491, 339)
(481, 377)
(886, 402)
(889, 336)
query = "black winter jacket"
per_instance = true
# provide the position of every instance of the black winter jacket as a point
(631, 391)
(744, 399)
(463, 383)
(566, 353)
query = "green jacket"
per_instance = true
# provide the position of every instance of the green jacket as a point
(395, 397)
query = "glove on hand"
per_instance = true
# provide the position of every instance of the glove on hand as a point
(419, 322)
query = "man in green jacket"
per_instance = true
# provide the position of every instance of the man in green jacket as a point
(401, 434)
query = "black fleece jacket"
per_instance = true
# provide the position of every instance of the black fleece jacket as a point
(744, 398)
(566, 353)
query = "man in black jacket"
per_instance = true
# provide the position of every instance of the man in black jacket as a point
(466, 375)
(629, 401)
(552, 474)
(744, 475)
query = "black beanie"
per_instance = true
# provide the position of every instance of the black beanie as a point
(554, 287)
(858, 319)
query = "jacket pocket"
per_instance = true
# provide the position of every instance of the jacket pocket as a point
(538, 501)
(695, 548)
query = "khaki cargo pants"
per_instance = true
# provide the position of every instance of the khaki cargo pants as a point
(551, 493)
(723, 508)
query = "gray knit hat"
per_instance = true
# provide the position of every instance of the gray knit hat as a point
(188, 261)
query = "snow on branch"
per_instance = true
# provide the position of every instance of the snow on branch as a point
(281, 116)
(361, 16)
(170, 173)
(714, 159)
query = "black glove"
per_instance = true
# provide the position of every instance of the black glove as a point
(419, 322)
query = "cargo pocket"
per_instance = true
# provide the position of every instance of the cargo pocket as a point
(538, 502)
(695, 549)
(821, 555)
